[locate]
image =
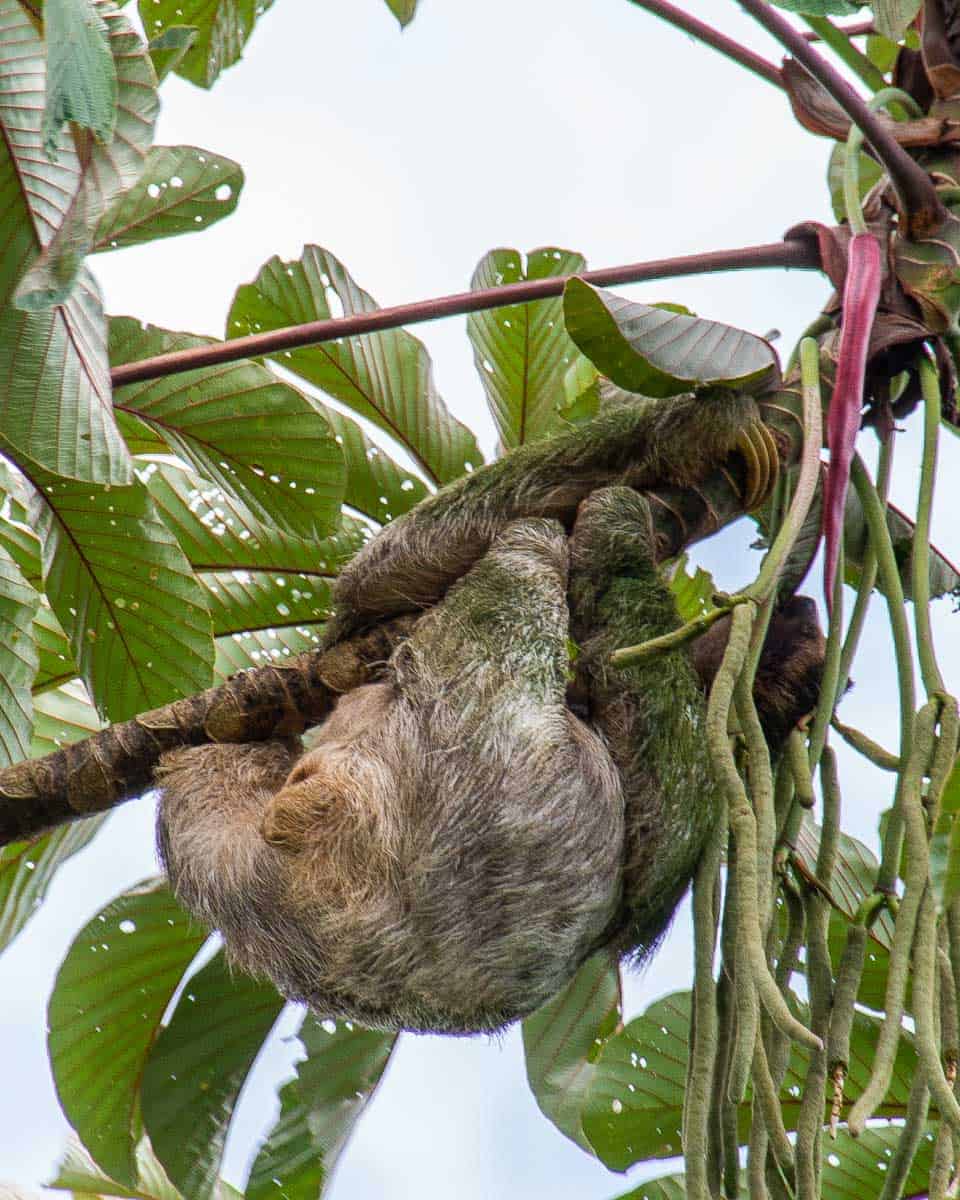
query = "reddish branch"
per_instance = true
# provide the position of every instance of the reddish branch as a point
(917, 196)
(792, 253)
(713, 37)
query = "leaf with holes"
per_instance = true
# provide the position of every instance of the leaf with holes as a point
(562, 1039)
(263, 648)
(262, 600)
(223, 28)
(658, 351)
(217, 533)
(240, 427)
(386, 377)
(523, 352)
(124, 593)
(110, 995)
(18, 659)
(181, 190)
(319, 1108)
(56, 663)
(108, 167)
(27, 870)
(196, 1069)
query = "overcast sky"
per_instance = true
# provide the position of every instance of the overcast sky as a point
(587, 126)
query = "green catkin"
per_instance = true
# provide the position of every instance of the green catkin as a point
(911, 813)
(743, 825)
(920, 554)
(867, 747)
(914, 1127)
(925, 987)
(845, 991)
(704, 1049)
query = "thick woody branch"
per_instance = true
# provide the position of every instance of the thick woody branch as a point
(276, 701)
(117, 764)
(792, 253)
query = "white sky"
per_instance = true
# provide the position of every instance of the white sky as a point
(587, 126)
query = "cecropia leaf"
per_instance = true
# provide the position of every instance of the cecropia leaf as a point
(861, 292)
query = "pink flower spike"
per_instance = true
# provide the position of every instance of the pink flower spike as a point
(861, 294)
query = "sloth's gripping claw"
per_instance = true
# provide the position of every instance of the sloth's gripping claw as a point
(759, 451)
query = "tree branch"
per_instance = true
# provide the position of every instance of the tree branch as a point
(117, 764)
(712, 37)
(920, 205)
(791, 253)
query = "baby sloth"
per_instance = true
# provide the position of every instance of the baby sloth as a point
(458, 840)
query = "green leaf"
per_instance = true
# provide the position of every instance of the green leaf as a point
(124, 593)
(376, 485)
(108, 167)
(239, 426)
(61, 717)
(55, 407)
(319, 1108)
(81, 75)
(820, 8)
(403, 10)
(891, 17)
(18, 659)
(262, 648)
(561, 1041)
(223, 27)
(110, 995)
(882, 52)
(692, 593)
(196, 1070)
(27, 870)
(660, 352)
(168, 48)
(78, 1173)
(263, 600)
(870, 172)
(522, 352)
(634, 1107)
(852, 1169)
(217, 533)
(385, 377)
(56, 662)
(635, 1101)
(181, 190)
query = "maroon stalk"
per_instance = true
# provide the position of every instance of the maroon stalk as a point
(916, 194)
(713, 37)
(861, 293)
(791, 253)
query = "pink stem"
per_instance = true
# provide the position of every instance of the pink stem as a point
(861, 294)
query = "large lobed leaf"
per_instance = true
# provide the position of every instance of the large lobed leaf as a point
(241, 427)
(111, 992)
(124, 594)
(81, 73)
(385, 377)
(196, 1069)
(523, 352)
(562, 1039)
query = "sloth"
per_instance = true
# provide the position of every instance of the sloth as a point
(462, 833)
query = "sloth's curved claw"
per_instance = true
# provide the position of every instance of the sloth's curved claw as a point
(759, 451)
